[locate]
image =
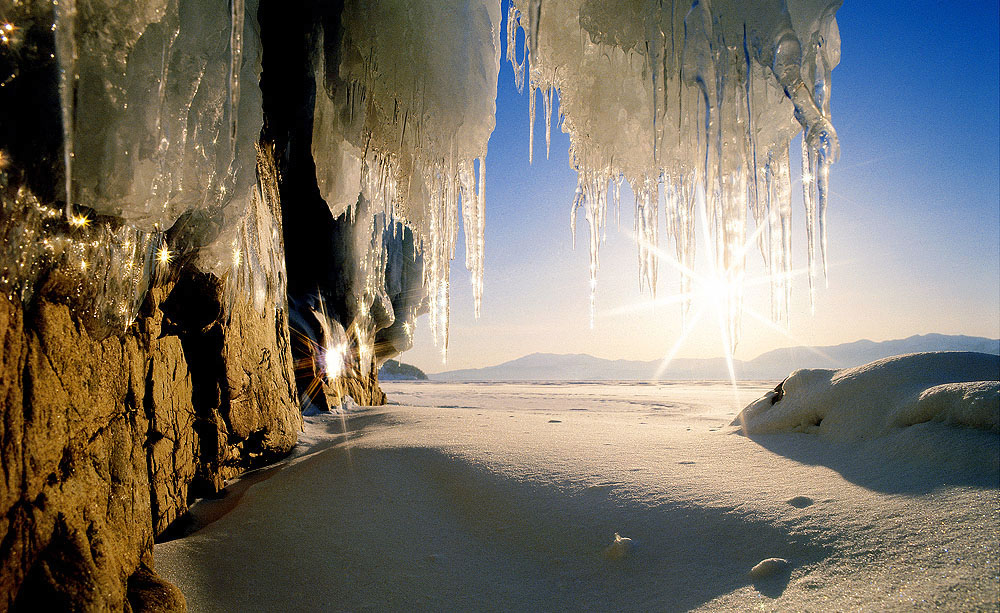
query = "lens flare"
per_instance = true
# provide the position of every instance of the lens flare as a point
(335, 361)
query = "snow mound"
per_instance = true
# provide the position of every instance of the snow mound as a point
(957, 388)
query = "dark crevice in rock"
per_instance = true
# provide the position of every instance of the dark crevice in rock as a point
(324, 272)
(61, 577)
(192, 313)
(147, 403)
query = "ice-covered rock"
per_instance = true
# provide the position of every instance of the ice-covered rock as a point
(958, 388)
(159, 112)
(403, 112)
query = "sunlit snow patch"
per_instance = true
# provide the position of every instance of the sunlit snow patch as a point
(958, 388)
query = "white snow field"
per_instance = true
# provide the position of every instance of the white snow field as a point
(602, 497)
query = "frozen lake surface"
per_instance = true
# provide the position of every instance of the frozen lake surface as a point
(507, 497)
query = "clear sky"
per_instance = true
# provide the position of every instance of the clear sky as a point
(914, 218)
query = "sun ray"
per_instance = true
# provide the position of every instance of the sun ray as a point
(770, 324)
(667, 359)
(663, 255)
(727, 349)
(651, 303)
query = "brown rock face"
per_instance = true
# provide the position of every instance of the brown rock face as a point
(103, 443)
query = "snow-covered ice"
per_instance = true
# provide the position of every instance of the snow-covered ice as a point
(506, 497)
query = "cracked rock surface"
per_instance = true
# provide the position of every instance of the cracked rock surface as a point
(103, 443)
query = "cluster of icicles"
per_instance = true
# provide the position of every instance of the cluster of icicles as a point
(407, 113)
(449, 189)
(694, 105)
(204, 169)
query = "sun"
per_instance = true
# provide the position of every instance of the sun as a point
(716, 297)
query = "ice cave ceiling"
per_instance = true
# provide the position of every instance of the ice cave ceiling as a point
(141, 135)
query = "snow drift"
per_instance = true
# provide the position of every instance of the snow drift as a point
(958, 388)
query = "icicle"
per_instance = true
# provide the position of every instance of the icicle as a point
(592, 192)
(478, 273)
(810, 207)
(821, 90)
(531, 120)
(235, 66)
(618, 199)
(738, 81)
(577, 204)
(65, 35)
(783, 193)
(513, 22)
(473, 196)
(822, 191)
(534, 24)
(647, 220)
(547, 100)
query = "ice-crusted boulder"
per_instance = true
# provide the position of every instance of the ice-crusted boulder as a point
(958, 388)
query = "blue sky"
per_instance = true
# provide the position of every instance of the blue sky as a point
(914, 219)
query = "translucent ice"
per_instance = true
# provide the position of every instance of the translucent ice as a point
(691, 102)
(157, 135)
(403, 114)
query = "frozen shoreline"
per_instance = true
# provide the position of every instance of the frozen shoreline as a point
(505, 497)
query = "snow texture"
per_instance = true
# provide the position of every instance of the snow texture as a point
(957, 388)
(465, 497)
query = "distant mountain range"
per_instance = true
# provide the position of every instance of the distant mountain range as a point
(775, 364)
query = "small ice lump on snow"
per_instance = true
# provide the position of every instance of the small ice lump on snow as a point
(767, 568)
(618, 548)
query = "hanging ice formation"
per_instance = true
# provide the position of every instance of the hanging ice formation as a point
(160, 111)
(690, 102)
(405, 115)
(156, 135)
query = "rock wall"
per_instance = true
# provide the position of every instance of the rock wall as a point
(104, 443)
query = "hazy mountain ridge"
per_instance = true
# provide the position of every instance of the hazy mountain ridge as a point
(775, 364)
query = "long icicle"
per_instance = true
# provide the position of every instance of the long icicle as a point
(65, 35)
